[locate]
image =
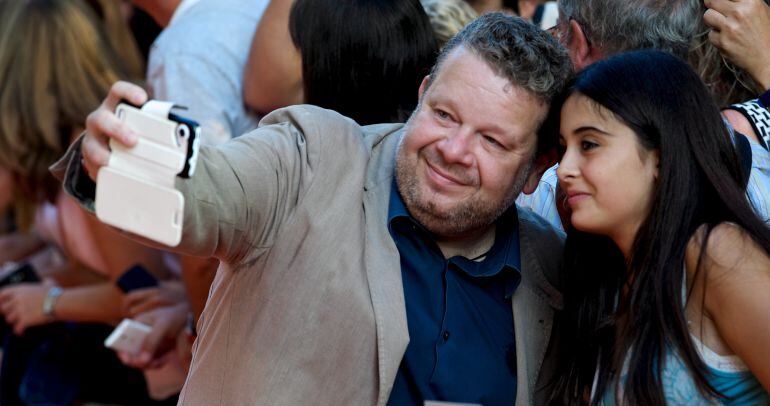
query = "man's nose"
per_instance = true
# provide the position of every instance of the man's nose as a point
(456, 147)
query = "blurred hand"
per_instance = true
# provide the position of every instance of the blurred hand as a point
(167, 324)
(22, 305)
(102, 125)
(741, 31)
(167, 293)
(16, 246)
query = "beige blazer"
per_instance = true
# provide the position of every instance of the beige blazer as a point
(308, 305)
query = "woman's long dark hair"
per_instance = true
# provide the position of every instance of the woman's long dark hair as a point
(631, 310)
(363, 58)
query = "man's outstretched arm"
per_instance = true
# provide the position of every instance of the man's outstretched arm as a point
(241, 192)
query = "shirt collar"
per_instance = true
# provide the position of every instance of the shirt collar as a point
(503, 258)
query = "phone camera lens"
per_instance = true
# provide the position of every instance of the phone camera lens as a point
(182, 132)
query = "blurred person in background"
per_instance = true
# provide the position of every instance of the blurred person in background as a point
(595, 29)
(198, 59)
(448, 17)
(740, 32)
(56, 64)
(364, 60)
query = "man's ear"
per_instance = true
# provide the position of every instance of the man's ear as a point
(578, 46)
(542, 163)
(423, 86)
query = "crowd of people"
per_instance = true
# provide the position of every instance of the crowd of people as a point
(395, 202)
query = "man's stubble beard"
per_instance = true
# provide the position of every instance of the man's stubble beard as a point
(467, 215)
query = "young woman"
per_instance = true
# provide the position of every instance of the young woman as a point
(668, 267)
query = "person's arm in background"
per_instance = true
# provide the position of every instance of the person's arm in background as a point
(273, 75)
(22, 304)
(741, 31)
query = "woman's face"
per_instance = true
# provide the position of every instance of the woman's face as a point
(607, 175)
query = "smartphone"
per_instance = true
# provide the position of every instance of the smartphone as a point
(128, 336)
(20, 274)
(135, 191)
(136, 277)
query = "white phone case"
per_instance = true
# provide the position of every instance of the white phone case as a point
(135, 191)
(128, 337)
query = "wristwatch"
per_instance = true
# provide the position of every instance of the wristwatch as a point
(50, 301)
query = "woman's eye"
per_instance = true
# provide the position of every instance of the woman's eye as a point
(586, 145)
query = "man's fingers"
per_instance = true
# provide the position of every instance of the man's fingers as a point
(722, 6)
(124, 91)
(95, 152)
(103, 123)
(714, 19)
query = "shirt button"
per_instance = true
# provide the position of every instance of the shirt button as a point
(446, 335)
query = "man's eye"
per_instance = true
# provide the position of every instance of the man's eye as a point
(587, 145)
(492, 141)
(443, 115)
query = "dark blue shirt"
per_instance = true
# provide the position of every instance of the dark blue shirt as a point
(459, 314)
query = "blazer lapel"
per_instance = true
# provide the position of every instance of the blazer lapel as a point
(383, 267)
(532, 320)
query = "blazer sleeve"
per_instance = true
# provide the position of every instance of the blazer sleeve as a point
(244, 190)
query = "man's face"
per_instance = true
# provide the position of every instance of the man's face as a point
(468, 148)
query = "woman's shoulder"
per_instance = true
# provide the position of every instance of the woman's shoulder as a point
(730, 252)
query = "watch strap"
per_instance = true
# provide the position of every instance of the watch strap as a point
(50, 301)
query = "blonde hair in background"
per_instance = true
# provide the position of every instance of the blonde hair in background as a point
(120, 36)
(448, 17)
(55, 68)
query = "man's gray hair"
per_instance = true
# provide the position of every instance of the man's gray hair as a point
(524, 54)
(615, 26)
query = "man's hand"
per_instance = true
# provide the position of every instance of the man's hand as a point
(143, 300)
(167, 323)
(102, 125)
(22, 305)
(741, 31)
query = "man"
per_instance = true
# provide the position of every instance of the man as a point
(595, 29)
(380, 264)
